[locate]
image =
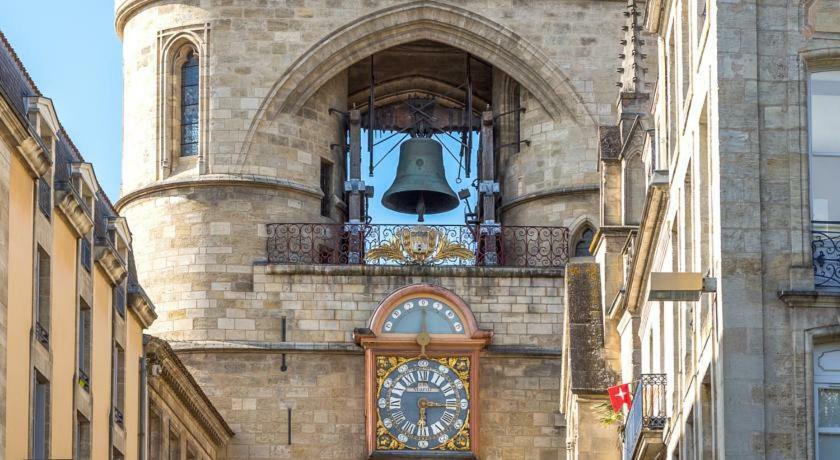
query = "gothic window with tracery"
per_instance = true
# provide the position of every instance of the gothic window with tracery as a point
(583, 243)
(189, 105)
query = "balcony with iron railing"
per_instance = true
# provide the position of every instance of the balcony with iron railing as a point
(42, 334)
(118, 418)
(407, 244)
(825, 247)
(84, 380)
(646, 418)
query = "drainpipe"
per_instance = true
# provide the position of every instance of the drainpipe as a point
(144, 412)
(113, 384)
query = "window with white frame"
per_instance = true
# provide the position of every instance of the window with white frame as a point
(827, 400)
(824, 141)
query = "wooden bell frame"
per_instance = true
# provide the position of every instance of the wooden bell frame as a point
(376, 343)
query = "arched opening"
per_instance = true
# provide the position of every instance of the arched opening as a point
(583, 241)
(458, 84)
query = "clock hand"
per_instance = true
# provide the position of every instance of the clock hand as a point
(422, 421)
(434, 404)
(423, 339)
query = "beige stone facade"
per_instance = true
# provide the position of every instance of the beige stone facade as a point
(681, 131)
(73, 366)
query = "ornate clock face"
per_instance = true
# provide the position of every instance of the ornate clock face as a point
(423, 403)
(423, 314)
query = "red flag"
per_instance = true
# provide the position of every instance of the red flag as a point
(619, 396)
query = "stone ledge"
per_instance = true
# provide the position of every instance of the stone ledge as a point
(810, 299)
(215, 180)
(198, 346)
(559, 191)
(414, 271)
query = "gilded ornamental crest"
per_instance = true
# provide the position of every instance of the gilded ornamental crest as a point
(420, 245)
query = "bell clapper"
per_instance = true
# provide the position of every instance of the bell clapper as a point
(421, 208)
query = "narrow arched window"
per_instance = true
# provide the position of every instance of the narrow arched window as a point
(189, 105)
(583, 243)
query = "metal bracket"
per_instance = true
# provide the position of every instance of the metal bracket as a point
(527, 142)
(520, 110)
(488, 187)
(490, 227)
(355, 185)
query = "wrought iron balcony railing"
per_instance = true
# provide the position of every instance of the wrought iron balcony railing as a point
(41, 334)
(441, 245)
(118, 417)
(825, 246)
(647, 411)
(84, 380)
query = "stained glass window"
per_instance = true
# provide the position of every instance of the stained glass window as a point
(189, 106)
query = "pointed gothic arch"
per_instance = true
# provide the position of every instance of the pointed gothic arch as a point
(422, 20)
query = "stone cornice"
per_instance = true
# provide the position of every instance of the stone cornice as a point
(604, 231)
(652, 216)
(109, 259)
(35, 156)
(810, 299)
(73, 208)
(125, 10)
(246, 346)
(175, 376)
(141, 305)
(216, 180)
(413, 270)
(559, 191)
(15, 132)
(821, 59)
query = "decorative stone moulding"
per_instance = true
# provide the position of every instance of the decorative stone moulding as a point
(140, 303)
(167, 369)
(42, 114)
(111, 261)
(35, 156)
(74, 209)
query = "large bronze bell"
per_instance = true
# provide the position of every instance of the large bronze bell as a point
(420, 186)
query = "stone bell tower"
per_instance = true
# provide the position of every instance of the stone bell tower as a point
(237, 116)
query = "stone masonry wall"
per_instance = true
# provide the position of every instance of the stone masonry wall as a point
(518, 398)
(324, 380)
(325, 304)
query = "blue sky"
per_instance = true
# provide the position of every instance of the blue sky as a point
(72, 52)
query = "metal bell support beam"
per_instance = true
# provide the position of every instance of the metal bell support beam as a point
(488, 189)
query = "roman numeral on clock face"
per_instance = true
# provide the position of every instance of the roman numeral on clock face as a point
(394, 403)
(447, 417)
(451, 403)
(423, 431)
(437, 427)
(399, 416)
(408, 427)
(409, 378)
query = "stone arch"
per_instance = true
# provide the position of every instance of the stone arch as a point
(578, 227)
(422, 20)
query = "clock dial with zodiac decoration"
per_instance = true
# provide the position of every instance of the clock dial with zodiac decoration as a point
(423, 403)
